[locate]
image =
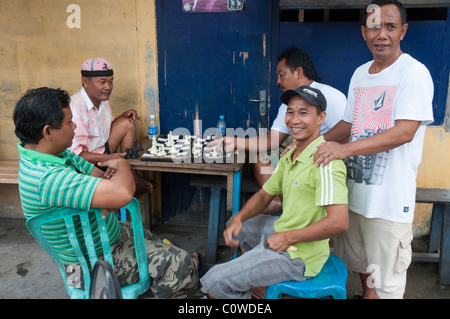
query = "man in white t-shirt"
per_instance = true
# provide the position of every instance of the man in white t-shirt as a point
(389, 106)
(294, 69)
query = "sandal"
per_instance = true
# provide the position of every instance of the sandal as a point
(199, 265)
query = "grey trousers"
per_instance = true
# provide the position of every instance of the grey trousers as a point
(259, 266)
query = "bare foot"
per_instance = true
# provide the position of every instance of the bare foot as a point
(259, 292)
(143, 186)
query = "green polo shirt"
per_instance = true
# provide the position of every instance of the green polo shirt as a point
(307, 190)
(47, 182)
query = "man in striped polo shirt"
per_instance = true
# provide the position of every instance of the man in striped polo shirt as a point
(51, 176)
(295, 245)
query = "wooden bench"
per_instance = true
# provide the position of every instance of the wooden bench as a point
(217, 218)
(9, 170)
(439, 245)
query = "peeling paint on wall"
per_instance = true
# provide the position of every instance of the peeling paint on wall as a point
(244, 56)
(264, 45)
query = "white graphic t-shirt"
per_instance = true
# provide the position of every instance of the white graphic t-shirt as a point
(383, 185)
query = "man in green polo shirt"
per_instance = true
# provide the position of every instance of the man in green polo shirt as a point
(51, 176)
(295, 245)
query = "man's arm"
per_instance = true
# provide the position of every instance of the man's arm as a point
(253, 144)
(335, 222)
(403, 132)
(253, 207)
(117, 191)
(95, 157)
(339, 133)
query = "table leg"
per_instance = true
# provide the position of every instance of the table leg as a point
(444, 260)
(230, 191)
(436, 226)
(147, 211)
(236, 199)
(236, 192)
(147, 205)
(213, 224)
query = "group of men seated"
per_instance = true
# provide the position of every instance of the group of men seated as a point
(68, 145)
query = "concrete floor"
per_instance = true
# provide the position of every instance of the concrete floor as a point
(26, 271)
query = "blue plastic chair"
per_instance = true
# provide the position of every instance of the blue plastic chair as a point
(331, 281)
(68, 214)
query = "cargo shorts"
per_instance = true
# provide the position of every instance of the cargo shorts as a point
(170, 268)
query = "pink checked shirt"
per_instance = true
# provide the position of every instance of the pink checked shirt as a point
(93, 125)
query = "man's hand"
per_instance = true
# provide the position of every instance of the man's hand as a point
(109, 173)
(287, 149)
(132, 115)
(278, 242)
(113, 164)
(231, 232)
(328, 151)
(225, 143)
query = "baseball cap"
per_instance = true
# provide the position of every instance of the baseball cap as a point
(96, 67)
(311, 95)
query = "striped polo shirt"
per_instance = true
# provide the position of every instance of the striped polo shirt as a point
(307, 190)
(47, 182)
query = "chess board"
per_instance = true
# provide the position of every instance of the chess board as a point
(183, 148)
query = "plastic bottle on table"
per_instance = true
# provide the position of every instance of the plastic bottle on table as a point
(221, 126)
(152, 128)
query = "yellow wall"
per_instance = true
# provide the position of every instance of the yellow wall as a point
(434, 172)
(37, 48)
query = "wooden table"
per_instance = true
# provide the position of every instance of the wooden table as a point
(439, 245)
(232, 171)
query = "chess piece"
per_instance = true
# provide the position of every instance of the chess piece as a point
(128, 153)
(154, 149)
(161, 152)
(196, 149)
(169, 139)
(134, 153)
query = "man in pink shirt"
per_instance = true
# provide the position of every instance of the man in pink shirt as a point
(99, 134)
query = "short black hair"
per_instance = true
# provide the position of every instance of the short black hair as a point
(36, 109)
(381, 3)
(297, 57)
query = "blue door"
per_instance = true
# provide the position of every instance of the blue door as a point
(213, 63)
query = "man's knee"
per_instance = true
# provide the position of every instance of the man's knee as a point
(122, 131)
(123, 124)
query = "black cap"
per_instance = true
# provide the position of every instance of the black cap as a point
(311, 95)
